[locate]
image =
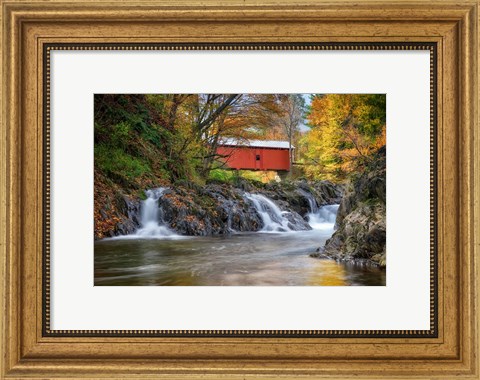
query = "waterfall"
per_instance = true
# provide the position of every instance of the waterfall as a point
(323, 218)
(151, 218)
(320, 218)
(273, 218)
(312, 202)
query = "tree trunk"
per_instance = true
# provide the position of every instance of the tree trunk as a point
(290, 155)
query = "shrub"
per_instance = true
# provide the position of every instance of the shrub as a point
(220, 175)
(117, 162)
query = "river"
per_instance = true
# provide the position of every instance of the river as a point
(156, 256)
(240, 259)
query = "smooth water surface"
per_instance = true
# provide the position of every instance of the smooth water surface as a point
(240, 259)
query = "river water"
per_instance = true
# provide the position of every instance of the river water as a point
(277, 255)
(240, 259)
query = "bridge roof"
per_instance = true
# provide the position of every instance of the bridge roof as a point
(255, 143)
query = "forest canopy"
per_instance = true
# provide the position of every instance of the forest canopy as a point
(345, 130)
(144, 140)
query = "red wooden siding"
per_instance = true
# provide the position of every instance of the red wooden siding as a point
(253, 158)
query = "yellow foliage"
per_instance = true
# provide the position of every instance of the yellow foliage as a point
(345, 131)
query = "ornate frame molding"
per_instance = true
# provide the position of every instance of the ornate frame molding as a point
(30, 26)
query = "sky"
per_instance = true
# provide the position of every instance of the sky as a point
(303, 127)
(307, 99)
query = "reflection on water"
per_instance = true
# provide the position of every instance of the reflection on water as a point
(328, 273)
(240, 260)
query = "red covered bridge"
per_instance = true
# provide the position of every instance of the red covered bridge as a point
(255, 154)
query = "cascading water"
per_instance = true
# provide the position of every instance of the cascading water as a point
(320, 218)
(273, 218)
(324, 218)
(151, 221)
(312, 202)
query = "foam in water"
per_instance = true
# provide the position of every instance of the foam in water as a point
(320, 218)
(324, 218)
(272, 217)
(151, 220)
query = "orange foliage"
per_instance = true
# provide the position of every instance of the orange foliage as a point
(346, 131)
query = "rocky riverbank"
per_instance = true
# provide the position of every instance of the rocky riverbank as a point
(361, 219)
(219, 208)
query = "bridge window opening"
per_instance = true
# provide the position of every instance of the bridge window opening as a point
(257, 157)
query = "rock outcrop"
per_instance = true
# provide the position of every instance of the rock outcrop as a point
(210, 210)
(361, 218)
(221, 208)
(297, 194)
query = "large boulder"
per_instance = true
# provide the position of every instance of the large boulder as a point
(361, 218)
(211, 210)
(129, 212)
(115, 214)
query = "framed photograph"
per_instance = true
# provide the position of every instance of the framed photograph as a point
(203, 189)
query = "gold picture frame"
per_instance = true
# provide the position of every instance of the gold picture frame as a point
(31, 29)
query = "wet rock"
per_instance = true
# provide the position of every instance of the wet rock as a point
(299, 194)
(213, 210)
(361, 218)
(296, 222)
(220, 209)
(129, 213)
(319, 253)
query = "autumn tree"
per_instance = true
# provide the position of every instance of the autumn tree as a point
(247, 116)
(345, 131)
(290, 117)
(175, 136)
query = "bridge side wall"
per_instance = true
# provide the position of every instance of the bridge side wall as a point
(250, 158)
